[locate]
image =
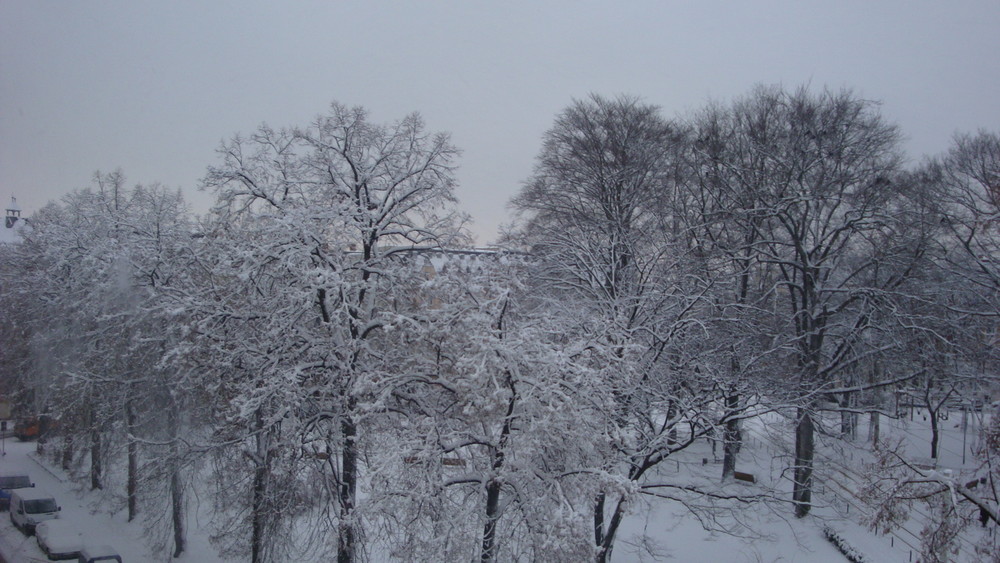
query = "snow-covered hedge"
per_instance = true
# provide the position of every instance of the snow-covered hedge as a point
(838, 541)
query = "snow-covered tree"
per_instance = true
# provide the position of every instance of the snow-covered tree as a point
(950, 319)
(306, 227)
(96, 263)
(722, 220)
(487, 428)
(966, 185)
(811, 183)
(967, 179)
(601, 217)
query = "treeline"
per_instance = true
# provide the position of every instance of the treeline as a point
(320, 358)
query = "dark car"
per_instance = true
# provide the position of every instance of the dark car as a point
(9, 483)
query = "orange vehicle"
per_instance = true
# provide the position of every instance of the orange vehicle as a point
(27, 429)
(32, 428)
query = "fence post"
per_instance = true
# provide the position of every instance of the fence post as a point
(965, 428)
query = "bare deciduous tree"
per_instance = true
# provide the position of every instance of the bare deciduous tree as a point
(808, 179)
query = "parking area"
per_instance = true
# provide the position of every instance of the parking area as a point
(96, 526)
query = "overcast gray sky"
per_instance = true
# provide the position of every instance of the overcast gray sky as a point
(152, 87)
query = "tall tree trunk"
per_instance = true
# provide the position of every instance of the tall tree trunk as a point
(348, 490)
(67, 452)
(177, 511)
(935, 435)
(176, 487)
(132, 484)
(599, 520)
(804, 451)
(671, 413)
(608, 543)
(95, 452)
(874, 428)
(259, 513)
(731, 437)
(874, 417)
(847, 418)
(488, 554)
(932, 413)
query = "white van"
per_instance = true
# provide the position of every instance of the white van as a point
(28, 507)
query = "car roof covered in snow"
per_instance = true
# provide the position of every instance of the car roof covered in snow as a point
(59, 536)
(31, 494)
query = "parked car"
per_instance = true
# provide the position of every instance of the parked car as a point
(28, 507)
(98, 553)
(59, 539)
(9, 483)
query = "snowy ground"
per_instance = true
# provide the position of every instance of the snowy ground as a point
(656, 531)
(670, 533)
(675, 536)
